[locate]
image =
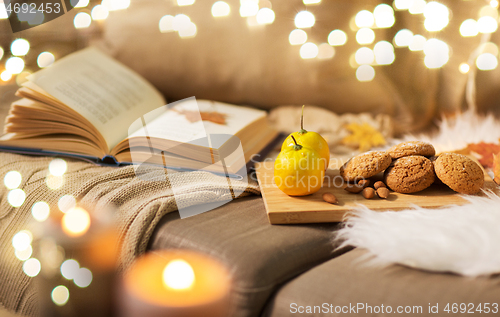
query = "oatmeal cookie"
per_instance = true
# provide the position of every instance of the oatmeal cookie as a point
(411, 148)
(365, 165)
(410, 174)
(460, 173)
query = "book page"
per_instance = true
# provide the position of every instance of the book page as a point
(172, 122)
(196, 127)
(107, 93)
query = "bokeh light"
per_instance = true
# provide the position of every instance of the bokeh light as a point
(309, 50)
(99, 12)
(364, 19)
(20, 47)
(304, 19)
(57, 167)
(12, 179)
(60, 295)
(403, 38)
(82, 20)
(487, 24)
(384, 53)
(433, 62)
(437, 16)
(325, 51)
(265, 16)
(188, 31)
(45, 59)
(464, 68)
(22, 240)
(14, 65)
(249, 8)
(66, 202)
(181, 21)
(417, 7)
(402, 4)
(178, 275)
(365, 36)
(1, 52)
(364, 55)
(417, 43)
(54, 182)
(76, 222)
(337, 38)
(365, 73)
(5, 76)
(469, 28)
(3, 13)
(185, 2)
(297, 37)
(220, 9)
(32, 267)
(25, 254)
(166, 24)
(486, 61)
(40, 211)
(69, 269)
(384, 16)
(83, 278)
(311, 1)
(16, 197)
(435, 46)
(437, 53)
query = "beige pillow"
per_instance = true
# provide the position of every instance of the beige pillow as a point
(231, 62)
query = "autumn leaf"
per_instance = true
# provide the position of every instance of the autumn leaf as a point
(485, 151)
(496, 168)
(212, 116)
(363, 136)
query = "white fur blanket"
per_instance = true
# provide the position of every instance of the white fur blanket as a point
(459, 239)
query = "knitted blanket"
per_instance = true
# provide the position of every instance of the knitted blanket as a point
(140, 204)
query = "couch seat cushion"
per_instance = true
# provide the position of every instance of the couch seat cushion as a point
(346, 282)
(260, 256)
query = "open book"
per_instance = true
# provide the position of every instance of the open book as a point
(90, 106)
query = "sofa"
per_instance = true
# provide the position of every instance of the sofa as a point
(277, 270)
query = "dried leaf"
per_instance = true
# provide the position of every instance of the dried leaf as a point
(212, 116)
(485, 151)
(496, 168)
(363, 136)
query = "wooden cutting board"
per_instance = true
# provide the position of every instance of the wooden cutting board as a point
(284, 209)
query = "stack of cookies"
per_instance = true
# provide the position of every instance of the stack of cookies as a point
(410, 167)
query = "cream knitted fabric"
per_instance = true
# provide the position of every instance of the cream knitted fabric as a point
(140, 204)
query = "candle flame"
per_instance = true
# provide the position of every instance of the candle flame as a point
(178, 275)
(76, 222)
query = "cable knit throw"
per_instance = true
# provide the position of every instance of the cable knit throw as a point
(140, 205)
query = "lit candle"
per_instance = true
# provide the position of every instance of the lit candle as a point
(175, 283)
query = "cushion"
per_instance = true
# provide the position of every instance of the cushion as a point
(346, 281)
(260, 256)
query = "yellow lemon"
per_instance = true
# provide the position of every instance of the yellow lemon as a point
(309, 139)
(299, 170)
